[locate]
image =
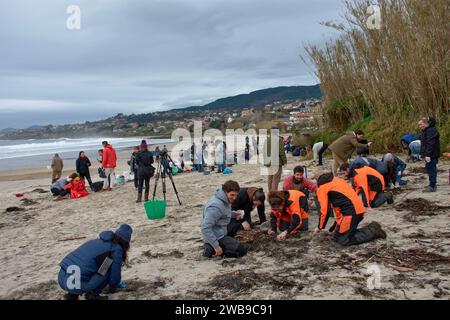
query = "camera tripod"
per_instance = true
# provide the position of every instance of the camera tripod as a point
(161, 172)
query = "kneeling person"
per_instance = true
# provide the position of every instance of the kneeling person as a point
(99, 262)
(368, 183)
(216, 217)
(336, 195)
(247, 200)
(289, 213)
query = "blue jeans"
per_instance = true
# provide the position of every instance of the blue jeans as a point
(432, 171)
(414, 147)
(220, 167)
(399, 172)
(95, 285)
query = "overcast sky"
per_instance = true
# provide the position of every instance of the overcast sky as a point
(140, 56)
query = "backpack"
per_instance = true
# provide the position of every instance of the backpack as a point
(97, 186)
(101, 173)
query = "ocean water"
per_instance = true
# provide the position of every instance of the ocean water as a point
(37, 153)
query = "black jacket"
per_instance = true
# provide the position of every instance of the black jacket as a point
(82, 165)
(243, 202)
(430, 145)
(144, 160)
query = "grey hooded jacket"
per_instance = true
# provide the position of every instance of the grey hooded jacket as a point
(216, 217)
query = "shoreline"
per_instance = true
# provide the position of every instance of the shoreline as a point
(36, 173)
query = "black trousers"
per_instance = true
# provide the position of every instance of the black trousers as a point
(87, 176)
(321, 151)
(144, 179)
(59, 192)
(136, 179)
(285, 225)
(354, 236)
(231, 248)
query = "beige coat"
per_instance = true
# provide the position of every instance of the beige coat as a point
(57, 164)
(345, 145)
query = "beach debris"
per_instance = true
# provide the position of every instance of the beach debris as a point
(40, 190)
(27, 202)
(420, 206)
(400, 269)
(244, 281)
(19, 195)
(174, 253)
(410, 258)
(70, 239)
(14, 209)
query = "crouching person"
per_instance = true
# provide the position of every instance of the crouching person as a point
(289, 213)
(368, 183)
(248, 199)
(217, 215)
(98, 264)
(336, 195)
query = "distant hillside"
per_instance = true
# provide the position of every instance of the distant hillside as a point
(265, 96)
(8, 130)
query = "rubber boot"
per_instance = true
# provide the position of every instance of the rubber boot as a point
(377, 230)
(146, 196)
(139, 198)
(390, 197)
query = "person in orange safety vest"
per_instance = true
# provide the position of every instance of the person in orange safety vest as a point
(289, 213)
(368, 183)
(336, 195)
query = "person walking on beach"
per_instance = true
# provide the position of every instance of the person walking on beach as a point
(343, 148)
(82, 165)
(430, 150)
(133, 167)
(109, 162)
(145, 170)
(217, 215)
(57, 167)
(100, 264)
(275, 169)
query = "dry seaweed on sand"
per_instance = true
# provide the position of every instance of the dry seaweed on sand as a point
(414, 258)
(14, 209)
(28, 202)
(289, 249)
(174, 254)
(244, 281)
(420, 206)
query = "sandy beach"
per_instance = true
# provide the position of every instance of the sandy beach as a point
(165, 258)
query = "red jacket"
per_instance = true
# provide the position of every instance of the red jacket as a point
(77, 189)
(109, 157)
(307, 184)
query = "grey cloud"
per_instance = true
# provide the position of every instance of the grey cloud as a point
(139, 56)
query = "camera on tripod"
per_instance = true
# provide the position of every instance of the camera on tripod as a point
(163, 170)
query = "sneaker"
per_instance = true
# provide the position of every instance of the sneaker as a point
(429, 189)
(92, 296)
(377, 230)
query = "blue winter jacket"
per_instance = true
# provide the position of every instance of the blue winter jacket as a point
(380, 166)
(85, 257)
